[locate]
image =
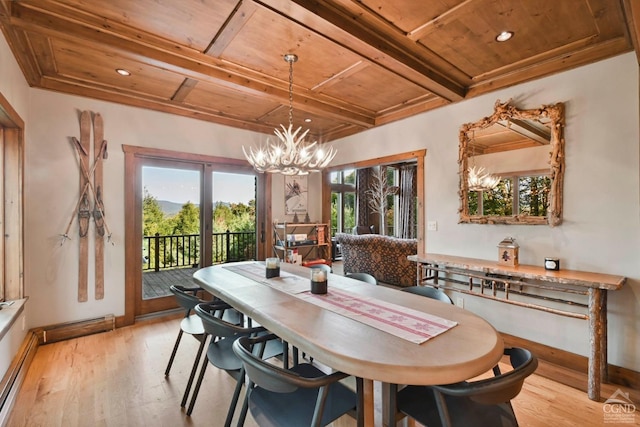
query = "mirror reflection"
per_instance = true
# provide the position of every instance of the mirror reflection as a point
(511, 166)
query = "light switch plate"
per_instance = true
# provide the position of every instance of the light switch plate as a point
(432, 225)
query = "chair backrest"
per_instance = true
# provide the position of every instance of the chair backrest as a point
(325, 267)
(214, 325)
(429, 292)
(186, 297)
(365, 277)
(501, 388)
(274, 378)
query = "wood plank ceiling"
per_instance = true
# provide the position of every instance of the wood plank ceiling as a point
(361, 63)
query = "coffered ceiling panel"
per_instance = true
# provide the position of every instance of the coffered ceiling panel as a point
(375, 89)
(361, 63)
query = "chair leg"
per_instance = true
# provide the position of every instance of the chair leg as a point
(245, 405)
(173, 353)
(392, 405)
(203, 341)
(359, 402)
(285, 354)
(196, 389)
(234, 399)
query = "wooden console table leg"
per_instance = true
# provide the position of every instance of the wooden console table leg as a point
(597, 337)
(604, 362)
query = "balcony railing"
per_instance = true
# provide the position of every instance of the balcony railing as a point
(176, 251)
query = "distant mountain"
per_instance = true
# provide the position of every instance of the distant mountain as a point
(170, 208)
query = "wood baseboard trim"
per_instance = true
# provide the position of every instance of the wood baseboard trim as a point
(65, 331)
(556, 362)
(14, 377)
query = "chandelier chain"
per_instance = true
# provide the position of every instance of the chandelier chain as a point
(291, 60)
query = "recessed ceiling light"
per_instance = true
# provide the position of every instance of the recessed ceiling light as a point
(504, 36)
(123, 72)
(307, 120)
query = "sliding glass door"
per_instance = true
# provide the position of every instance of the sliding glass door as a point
(189, 213)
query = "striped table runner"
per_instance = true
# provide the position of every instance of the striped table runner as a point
(412, 325)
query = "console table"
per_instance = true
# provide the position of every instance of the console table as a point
(488, 279)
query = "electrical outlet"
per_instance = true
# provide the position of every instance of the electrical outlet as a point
(432, 225)
(460, 302)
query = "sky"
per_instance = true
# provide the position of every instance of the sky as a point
(181, 186)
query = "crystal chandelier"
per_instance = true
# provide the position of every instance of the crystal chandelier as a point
(480, 180)
(290, 154)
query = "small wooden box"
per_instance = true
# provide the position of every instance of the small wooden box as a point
(508, 252)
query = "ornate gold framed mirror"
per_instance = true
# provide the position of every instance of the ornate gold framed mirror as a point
(512, 166)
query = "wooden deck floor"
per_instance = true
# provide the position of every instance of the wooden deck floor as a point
(156, 284)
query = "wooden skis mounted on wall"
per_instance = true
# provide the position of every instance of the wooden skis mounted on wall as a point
(91, 189)
(100, 150)
(84, 212)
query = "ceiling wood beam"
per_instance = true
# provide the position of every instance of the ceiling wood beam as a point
(527, 130)
(137, 100)
(348, 29)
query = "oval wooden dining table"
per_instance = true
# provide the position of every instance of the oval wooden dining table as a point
(468, 349)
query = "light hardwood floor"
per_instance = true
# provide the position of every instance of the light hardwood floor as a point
(117, 379)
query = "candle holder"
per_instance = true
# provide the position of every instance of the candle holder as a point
(273, 267)
(552, 264)
(318, 281)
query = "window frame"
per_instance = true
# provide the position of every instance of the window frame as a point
(12, 212)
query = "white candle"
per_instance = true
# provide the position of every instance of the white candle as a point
(271, 262)
(318, 275)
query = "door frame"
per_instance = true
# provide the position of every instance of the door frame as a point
(135, 157)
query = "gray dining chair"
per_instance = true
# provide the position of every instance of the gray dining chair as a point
(301, 396)
(327, 268)
(364, 277)
(187, 298)
(429, 292)
(220, 353)
(481, 403)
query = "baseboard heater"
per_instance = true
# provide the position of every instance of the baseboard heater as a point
(65, 331)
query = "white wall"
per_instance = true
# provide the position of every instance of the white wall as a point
(601, 229)
(15, 90)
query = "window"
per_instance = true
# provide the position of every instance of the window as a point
(343, 201)
(393, 202)
(516, 194)
(414, 185)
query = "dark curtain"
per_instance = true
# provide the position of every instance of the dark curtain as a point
(407, 195)
(362, 199)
